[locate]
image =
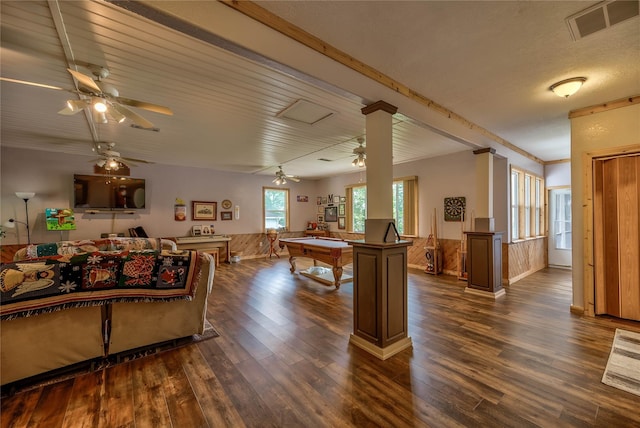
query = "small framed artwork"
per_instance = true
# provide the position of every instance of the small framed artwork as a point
(204, 210)
(343, 199)
(206, 230)
(196, 230)
(320, 209)
(324, 200)
(319, 200)
(341, 210)
(331, 214)
(301, 198)
(226, 215)
(342, 223)
(320, 218)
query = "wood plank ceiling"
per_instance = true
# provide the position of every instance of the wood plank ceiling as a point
(225, 94)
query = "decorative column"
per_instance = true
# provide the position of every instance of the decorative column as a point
(484, 245)
(484, 189)
(380, 260)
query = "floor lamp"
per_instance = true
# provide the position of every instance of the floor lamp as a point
(25, 196)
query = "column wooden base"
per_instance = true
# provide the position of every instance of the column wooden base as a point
(381, 353)
(491, 294)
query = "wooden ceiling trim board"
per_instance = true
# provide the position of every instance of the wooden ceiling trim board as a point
(265, 17)
(586, 111)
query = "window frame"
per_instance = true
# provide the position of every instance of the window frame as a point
(287, 209)
(527, 205)
(409, 209)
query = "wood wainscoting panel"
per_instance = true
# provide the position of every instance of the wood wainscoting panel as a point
(523, 258)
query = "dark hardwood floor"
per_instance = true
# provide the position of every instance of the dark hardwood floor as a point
(284, 360)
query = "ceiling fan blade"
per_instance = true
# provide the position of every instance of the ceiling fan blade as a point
(136, 160)
(294, 179)
(135, 117)
(126, 163)
(68, 112)
(145, 106)
(39, 85)
(85, 81)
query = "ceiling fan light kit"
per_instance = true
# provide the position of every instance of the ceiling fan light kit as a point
(111, 160)
(361, 160)
(566, 88)
(281, 177)
(105, 101)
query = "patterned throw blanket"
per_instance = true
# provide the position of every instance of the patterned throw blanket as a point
(77, 277)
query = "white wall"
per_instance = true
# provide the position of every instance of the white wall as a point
(557, 174)
(50, 175)
(613, 128)
(444, 176)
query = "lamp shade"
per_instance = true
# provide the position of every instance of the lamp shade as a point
(25, 195)
(568, 87)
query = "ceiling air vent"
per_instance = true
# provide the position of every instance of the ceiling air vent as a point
(601, 16)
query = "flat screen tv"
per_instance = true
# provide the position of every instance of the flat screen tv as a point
(108, 192)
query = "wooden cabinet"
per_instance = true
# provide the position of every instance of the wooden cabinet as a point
(484, 262)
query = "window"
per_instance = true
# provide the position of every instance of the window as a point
(561, 200)
(515, 230)
(275, 202)
(358, 208)
(405, 206)
(527, 205)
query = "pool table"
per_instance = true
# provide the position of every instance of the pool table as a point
(334, 252)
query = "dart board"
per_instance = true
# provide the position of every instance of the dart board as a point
(454, 208)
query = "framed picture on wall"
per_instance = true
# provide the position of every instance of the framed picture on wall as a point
(226, 215)
(204, 210)
(341, 210)
(342, 223)
(320, 209)
(331, 214)
(320, 218)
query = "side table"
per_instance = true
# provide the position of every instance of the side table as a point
(272, 235)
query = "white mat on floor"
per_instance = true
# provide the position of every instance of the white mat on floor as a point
(324, 275)
(623, 367)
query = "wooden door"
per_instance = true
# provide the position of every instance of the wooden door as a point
(617, 236)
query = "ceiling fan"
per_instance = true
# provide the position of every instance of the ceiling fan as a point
(281, 177)
(102, 99)
(111, 160)
(360, 152)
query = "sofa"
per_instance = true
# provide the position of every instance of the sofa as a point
(55, 325)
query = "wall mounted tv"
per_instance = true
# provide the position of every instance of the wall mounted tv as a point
(108, 192)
